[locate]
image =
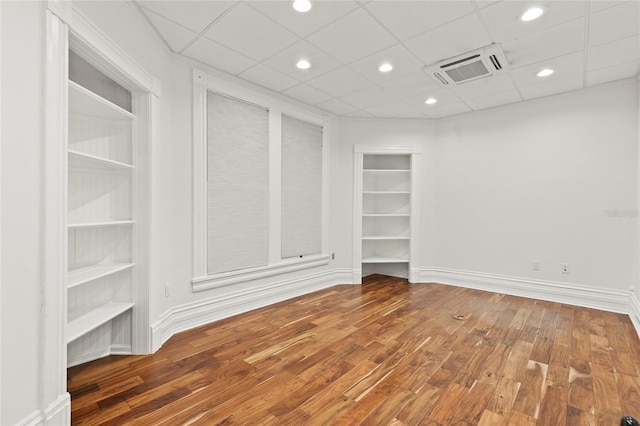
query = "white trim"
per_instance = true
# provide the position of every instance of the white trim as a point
(634, 311)
(387, 150)
(57, 413)
(358, 166)
(53, 351)
(202, 83)
(194, 314)
(571, 294)
(96, 47)
(116, 349)
(34, 419)
(234, 277)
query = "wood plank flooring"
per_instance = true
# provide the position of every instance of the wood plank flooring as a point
(385, 353)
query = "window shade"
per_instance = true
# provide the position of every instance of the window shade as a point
(237, 184)
(301, 188)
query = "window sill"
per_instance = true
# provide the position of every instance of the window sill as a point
(228, 278)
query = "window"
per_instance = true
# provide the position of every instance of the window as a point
(260, 192)
(301, 187)
(237, 184)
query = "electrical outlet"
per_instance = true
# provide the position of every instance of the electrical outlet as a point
(535, 265)
(166, 290)
(564, 268)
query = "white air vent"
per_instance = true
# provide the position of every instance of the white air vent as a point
(470, 66)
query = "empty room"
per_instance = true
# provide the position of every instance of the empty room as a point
(320, 212)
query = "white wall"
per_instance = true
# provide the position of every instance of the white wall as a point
(552, 179)
(384, 133)
(21, 210)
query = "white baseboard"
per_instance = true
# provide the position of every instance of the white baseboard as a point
(634, 311)
(571, 294)
(57, 413)
(195, 314)
(99, 353)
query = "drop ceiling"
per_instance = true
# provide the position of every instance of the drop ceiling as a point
(586, 42)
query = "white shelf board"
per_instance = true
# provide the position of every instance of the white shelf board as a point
(386, 192)
(385, 215)
(94, 319)
(373, 237)
(101, 224)
(85, 102)
(90, 273)
(385, 171)
(384, 260)
(81, 160)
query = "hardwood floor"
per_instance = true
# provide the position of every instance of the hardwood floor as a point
(383, 353)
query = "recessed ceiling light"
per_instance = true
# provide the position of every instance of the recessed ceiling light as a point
(431, 101)
(545, 72)
(386, 67)
(302, 5)
(531, 14)
(303, 64)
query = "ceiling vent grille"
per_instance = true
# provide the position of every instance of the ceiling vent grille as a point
(471, 66)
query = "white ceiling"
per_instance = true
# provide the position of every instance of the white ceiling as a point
(586, 42)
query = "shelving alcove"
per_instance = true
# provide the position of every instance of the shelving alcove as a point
(108, 208)
(385, 211)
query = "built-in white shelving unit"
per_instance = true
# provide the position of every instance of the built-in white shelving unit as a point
(100, 218)
(385, 209)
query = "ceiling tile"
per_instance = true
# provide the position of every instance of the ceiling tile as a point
(307, 94)
(411, 84)
(455, 38)
(563, 66)
(615, 23)
(402, 60)
(484, 86)
(194, 15)
(337, 107)
(392, 109)
(176, 36)
(447, 110)
(444, 96)
(359, 114)
(406, 19)
(303, 24)
(269, 78)
(340, 82)
(552, 87)
(352, 37)
(365, 98)
(494, 100)
(412, 115)
(617, 72)
(218, 56)
(598, 5)
(615, 53)
(504, 24)
(245, 30)
(557, 41)
(285, 61)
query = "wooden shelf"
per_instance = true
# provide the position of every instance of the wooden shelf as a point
(79, 159)
(384, 260)
(94, 319)
(101, 224)
(85, 102)
(91, 273)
